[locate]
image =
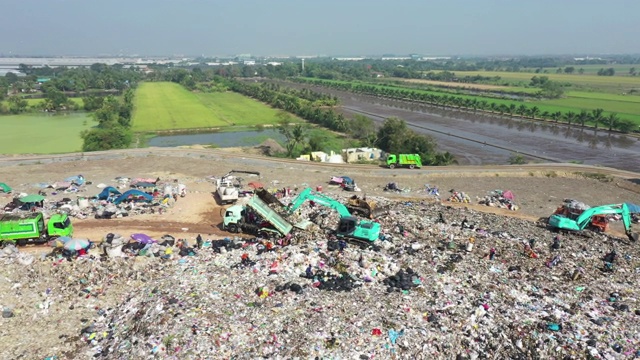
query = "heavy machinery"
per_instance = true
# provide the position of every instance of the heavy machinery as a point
(404, 160)
(584, 220)
(227, 187)
(572, 209)
(256, 218)
(364, 207)
(30, 227)
(349, 226)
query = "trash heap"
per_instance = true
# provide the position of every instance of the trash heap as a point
(459, 197)
(500, 199)
(138, 196)
(326, 299)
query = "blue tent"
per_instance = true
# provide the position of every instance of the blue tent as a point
(108, 191)
(633, 208)
(135, 193)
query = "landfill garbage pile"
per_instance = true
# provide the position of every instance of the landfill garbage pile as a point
(459, 197)
(120, 200)
(500, 199)
(519, 291)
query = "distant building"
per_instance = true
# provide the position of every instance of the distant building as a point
(249, 62)
(348, 58)
(361, 154)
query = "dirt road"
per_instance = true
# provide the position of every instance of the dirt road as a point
(539, 188)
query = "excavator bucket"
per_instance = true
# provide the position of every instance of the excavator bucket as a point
(633, 236)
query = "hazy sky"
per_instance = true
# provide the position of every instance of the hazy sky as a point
(330, 27)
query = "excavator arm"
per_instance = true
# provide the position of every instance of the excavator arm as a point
(617, 209)
(309, 194)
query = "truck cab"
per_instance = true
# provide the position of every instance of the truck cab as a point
(59, 225)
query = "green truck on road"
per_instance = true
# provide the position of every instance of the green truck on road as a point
(404, 160)
(30, 227)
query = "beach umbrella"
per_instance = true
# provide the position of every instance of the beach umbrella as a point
(31, 198)
(76, 244)
(5, 188)
(59, 242)
(143, 238)
(256, 184)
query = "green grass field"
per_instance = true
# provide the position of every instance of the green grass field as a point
(169, 106)
(33, 102)
(42, 133)
(621, 69)
(626, 106)
(615, 84)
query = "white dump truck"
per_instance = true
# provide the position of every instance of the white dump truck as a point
(228, 186)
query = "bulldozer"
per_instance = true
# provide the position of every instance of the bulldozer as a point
(364, 207)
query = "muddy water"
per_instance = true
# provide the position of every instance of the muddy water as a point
(479, 139)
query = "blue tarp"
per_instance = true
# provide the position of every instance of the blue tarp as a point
(347, 180)
(108, 191)
(78, 180)
(633, 208)
(134, 193)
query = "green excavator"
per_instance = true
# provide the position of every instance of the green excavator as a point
(349, 227)
(583, 221)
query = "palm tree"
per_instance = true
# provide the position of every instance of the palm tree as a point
(444, 159)
(612, 120)
(534, 111)
(512, 109)
(569, 117)
(596, 116)
(583, 117)
(521, 110)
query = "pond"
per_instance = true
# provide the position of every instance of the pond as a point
(218, 139)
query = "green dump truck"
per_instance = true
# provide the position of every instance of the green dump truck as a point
(255, 218)
(404, 160)
(30, 228)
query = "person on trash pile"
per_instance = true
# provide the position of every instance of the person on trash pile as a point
(245, 259)
(609, 260)
(556, 243)
(611, 257)
(529, 252)
(309, 272)
(342, 245)
(199, 241)
(492, 253)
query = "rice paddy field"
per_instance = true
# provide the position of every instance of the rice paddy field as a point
(41, 133)
(163, 106)
(608, 84)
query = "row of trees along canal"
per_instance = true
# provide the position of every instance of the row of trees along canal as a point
(393, 136)
(594, 118)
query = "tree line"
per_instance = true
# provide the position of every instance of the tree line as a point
(114, 123)
(595, 117)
